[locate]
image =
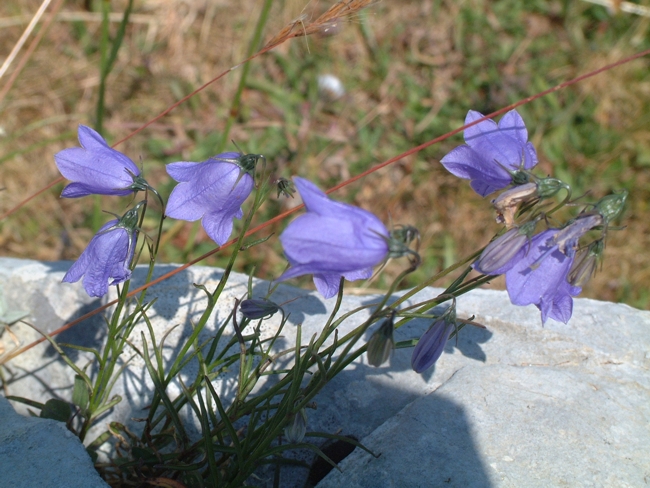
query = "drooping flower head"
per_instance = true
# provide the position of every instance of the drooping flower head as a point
(493, 153)
(106, 259)
(432, 343)
(539, 276)
(213, 191)
(332, 240)
(538, 273)
(97, 169)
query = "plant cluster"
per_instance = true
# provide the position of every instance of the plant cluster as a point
(333, 242)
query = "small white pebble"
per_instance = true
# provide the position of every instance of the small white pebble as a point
(330, 87)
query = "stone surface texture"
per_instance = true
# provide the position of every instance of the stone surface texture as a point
(37, 453)
(516, 404)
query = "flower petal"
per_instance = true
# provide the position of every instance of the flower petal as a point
(96, 166)
(513, 125)
(210, 190)
(327, 284)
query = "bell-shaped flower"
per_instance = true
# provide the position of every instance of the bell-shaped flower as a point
(97, 169)
(213, 191)
(332, 240)
(432, 343)
(107, 258)
(493, 153)
(539, 277)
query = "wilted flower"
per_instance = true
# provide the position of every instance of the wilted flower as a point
(430, 346)
(381, 343)
(107, 258)
(97, 169)
(331, 240)
(493, 153)
(258, 308)
(212, 191)
(297, 427)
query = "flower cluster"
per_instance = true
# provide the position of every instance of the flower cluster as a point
(334, 241)
(212, 191)
(541, 269)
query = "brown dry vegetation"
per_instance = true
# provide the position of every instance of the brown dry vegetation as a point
(411, 70)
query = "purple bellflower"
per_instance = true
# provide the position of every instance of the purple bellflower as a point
(432, 343)
(107, 257)
(213, 191)
(97, 169)
(493, 153)
(332, 240)
(540, 271)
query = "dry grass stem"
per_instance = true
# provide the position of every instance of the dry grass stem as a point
(19, 44)
(322, 25)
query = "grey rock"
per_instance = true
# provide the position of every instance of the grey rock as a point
(37, 452)
(564, 405)
(529, 428)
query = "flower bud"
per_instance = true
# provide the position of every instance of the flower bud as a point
(297, 427)
(585, 263)
(430, 346)
(548, 187)
(285, 187)
(497, 257)
(612, 205)
(258, 308)
(381, 343)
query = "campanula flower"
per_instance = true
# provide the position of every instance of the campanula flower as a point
(97, 169)
(430, 346)
(213, 191)
(539, 277)
(107, 258)
(332, 240)
(493, 153)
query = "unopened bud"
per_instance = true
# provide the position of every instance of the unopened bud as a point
(258, 308)
(430, 346)
(285, 187)
(612, 205)
(548, 187)
(297, 427)
(585, 264)
(497, 257)
(381, 343)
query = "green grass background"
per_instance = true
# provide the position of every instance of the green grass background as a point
(411, 71)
